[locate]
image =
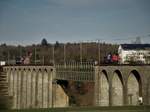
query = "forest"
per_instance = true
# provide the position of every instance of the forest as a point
(47, 53)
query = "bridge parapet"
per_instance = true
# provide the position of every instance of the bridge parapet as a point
(75, 71)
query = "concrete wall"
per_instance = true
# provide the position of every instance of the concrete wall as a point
(34, 87)
(122, 85)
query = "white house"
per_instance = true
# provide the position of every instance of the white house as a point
(134, 53)
(2, 63)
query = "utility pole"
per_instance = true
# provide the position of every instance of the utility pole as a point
(99, 55)
(43, 60)
(20, 51)
(8, 58)
(35, 55)
(81, 52)
(53, 50)
(14, 58)
(65, 55)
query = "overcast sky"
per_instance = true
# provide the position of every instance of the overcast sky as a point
(28, 21)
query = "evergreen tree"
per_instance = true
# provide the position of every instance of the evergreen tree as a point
(44, 42)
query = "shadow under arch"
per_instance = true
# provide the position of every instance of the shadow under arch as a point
(103, 88)
(117, 88)
(120, 76)
(134, 87)
(106, 75)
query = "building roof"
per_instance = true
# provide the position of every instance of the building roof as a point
(135, 46)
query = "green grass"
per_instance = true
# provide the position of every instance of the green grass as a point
(88, 109)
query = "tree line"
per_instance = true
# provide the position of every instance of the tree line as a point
(47, 53)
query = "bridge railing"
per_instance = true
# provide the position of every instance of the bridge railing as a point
(75, 71)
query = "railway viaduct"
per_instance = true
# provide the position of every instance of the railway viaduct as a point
(38, 87)
(122, 85)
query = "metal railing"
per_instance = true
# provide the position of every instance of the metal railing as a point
(75, 71)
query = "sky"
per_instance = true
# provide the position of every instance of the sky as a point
(25, 22)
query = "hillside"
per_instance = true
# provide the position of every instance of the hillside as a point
(44, 54)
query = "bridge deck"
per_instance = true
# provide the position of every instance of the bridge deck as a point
(77, 72)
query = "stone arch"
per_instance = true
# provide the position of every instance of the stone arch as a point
(29, 69)
(34, 69)
(45, 70)
(51, 69)
(117, 88)
(103, 88)
(134, 87)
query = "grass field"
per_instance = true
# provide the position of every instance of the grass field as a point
(88, 109)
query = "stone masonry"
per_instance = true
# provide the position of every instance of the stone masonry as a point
(122, 85)
(34, 87)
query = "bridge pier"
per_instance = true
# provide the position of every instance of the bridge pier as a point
(146, 88)
(110, 94)
(125, 94)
